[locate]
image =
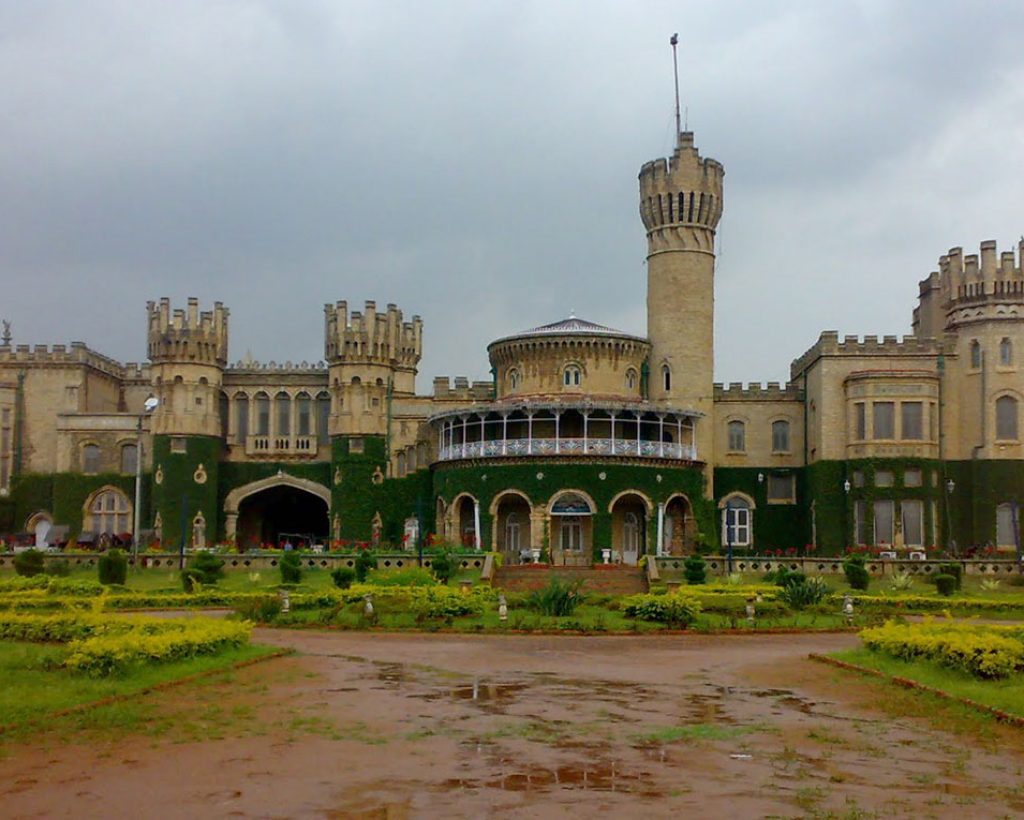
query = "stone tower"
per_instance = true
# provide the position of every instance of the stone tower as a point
(188, 350)
(680, 204)
(368, 354)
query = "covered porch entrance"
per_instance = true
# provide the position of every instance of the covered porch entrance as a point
(277, 510)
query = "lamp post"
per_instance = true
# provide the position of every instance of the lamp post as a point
(148, 407)
(950, 486)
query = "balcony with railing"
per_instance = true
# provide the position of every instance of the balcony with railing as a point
(281, 446)
(613, 431)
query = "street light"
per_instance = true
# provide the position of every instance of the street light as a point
(148, 407)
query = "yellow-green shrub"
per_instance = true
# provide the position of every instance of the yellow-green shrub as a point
(981, 650)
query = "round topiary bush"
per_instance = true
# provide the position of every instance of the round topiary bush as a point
(945, 584)
(113, 567)
(695, 569)
(857, 575)
(204, 569)
(291, 568)
(443, 566)
(343, 577)
(29, 563)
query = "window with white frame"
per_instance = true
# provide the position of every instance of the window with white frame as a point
(108, 513)
(860, 523)
(572, 376)
(912, 514)
(512, 532)
(780, 436)
(737, 436)
(737, 529)
(1007, 522)
(631, 532)
(1006, 418)
(884, 522)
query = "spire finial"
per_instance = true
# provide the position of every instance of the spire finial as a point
(572, 313)
(674, 41)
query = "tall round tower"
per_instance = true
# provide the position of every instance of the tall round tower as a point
(680, 204)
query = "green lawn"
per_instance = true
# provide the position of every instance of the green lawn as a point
(33, 684)
(1007, 694)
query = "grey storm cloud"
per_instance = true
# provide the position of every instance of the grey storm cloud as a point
(475, 162)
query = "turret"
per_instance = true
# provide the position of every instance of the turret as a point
(188, 350)
(681, 205)
(369, 354)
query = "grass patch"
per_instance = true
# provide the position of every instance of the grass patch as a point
(34, 686)
(1006, 694)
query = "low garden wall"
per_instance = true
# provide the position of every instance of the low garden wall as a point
(718, 565)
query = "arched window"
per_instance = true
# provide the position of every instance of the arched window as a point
(737, 523)
(401, 464)
(262, 414)
(513, 379)
(224, 411)
(631, 379)
(323, 414)
(1006, 418)
(666, 377)
(975, 354)
(572, 376)
(737, 436)
(303, 405)
(108, 512)
(129, 458)
(241, 418)
(1005, 352)
(90, 459)
(284, 413)
(780, 436)
(1007, 525)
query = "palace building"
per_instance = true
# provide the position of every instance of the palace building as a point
(586, 439)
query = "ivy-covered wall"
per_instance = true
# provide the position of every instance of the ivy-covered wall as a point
(356, 497)
(776, 526)
(177, 494)
(63, 495)
(979, 488)
(541, 480)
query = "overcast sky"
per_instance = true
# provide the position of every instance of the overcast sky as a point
(476, 163)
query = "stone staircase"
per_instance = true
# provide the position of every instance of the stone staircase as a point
(610, 580)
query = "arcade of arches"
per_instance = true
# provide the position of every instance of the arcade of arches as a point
(566, 524)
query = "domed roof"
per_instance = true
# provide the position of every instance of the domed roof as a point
(569, 327)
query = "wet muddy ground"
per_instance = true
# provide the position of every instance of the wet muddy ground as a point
(396, 726)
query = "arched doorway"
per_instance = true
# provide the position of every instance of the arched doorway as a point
(280, 505)
(678, 527)
(39, 525)
(465, 521)
(275, 514)
(512, 533)
(571, 515)
(629, 526)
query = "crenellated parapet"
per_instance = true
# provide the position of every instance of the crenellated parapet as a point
(77, 353)
(681, 199)
(974, 287)
(371, 337)
(462, 390)
(829, 345)
(187, 336)
(756, 391)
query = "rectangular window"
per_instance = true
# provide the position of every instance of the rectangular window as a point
(179, 444)
(913, 523)
(780, 437)
(737, 436)
(883, 478)
(884, 418)
(860, 524)
(861, 421)
(858, 478)
(781, 488)
(355, 445)
(933, 422)
(883, 522)
(1006, 525)
(913, 478)
(912, 413)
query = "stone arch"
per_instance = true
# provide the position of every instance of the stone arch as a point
(235, 498)
(513, 523)
(678, 525)
(39, 524)
(462, 518)
(647, 501)
(736, 494)
(581, 493)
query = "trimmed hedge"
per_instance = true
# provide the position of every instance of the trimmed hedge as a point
(982, 651)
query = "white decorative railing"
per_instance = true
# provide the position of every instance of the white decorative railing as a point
(281, 445)
(570, 447)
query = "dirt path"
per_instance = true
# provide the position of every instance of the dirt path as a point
(395, 726)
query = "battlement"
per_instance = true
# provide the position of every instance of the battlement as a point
(369, 337)
(187, 336)
(77, 353)
(685, 189)
(977, 276)
(828, 344)
(250, 366)
(756, 391)
(463, 390)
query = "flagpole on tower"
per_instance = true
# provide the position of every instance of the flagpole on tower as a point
(675, 71)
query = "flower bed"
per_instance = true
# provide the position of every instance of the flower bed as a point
(981, 650)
